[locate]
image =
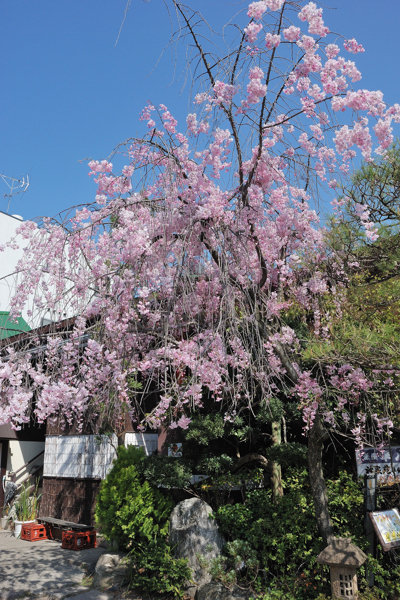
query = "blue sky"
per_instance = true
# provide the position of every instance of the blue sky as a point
(68, 93)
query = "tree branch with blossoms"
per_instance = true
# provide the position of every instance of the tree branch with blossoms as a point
(202, 244)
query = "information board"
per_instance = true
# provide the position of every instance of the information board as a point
(387, 527)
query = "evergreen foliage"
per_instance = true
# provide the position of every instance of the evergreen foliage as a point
(274, 545)
(130, 511)
(166, 471)
(135, 515)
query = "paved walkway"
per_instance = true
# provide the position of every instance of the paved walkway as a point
(44, 570)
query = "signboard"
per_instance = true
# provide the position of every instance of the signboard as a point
(175, 450)
(387, 527)
(385, 463)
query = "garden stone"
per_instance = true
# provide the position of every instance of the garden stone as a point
(216, 591)
(194, 533)
(111, 570)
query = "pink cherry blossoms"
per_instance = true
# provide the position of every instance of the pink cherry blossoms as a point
(182, 271)
(256, 89)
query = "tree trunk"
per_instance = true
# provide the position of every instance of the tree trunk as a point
(276, 471)
(121, 439)
(316, 440)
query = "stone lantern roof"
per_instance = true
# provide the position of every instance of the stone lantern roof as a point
(342, 553)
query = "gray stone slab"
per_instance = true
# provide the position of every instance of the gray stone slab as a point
(82, 594)
(62, 594)
(65, 592)
(93, 595)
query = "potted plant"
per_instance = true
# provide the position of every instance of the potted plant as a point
(5, 517)
(25, 507)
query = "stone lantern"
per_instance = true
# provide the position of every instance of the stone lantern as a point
(343, 558)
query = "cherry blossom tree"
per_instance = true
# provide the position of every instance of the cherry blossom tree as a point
(183, 270)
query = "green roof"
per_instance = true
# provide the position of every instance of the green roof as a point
(9, 328)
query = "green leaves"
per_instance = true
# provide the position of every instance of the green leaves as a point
(26, 506)
(281, 540)
(206, 428)
(270, 411)
(129, 510)
(134, 514)
(155, 570)
(166, 471)
(288, 455)
(285, 542)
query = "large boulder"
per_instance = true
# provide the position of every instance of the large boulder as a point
(216, 591)
(193, 534)
(111, 570)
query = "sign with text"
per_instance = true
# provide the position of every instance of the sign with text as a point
(385, 463)
(387, 527)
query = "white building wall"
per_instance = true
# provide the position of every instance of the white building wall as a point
(19, 453)
(88, 456)
(9, 259)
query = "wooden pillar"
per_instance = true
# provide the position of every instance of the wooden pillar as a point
(370, 486)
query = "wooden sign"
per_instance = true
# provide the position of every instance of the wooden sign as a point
(387, 527)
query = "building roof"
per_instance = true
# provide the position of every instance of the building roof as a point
(9, 328)
(342, 552)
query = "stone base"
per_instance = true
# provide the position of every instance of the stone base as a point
(111, 570)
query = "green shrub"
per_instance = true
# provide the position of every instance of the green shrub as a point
(154, 570)
(284, 537)
(239, 557)
(135, 516)
(283, 542)
(129, 511)
(166, 471)
(369, 594)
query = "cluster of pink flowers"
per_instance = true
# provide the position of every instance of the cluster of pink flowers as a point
(194, 127)
(220, 222)
(252, 30)
(371, 230)
(255, 89)
(353, 47)
(292, 33)
(313, 16)
(257, 9)
(169, 121)
(100, 167)
(272, 40)
(223, 93)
